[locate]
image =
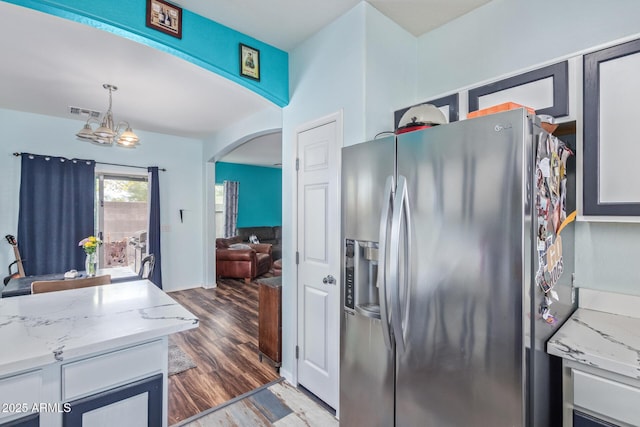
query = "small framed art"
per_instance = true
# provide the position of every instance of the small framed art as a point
(165, 17)
(249, 62)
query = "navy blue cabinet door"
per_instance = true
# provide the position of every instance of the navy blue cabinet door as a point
(28, 421)
(151, 385)
(584, 420)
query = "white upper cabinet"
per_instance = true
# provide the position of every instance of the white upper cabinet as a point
(611, 146)
(546, 90)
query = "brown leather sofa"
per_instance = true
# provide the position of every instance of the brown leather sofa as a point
(277, 267)
(240, 260)
(272, 235)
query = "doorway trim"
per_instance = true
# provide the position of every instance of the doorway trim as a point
(209, 265)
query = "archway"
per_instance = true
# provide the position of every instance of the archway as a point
(210, 206)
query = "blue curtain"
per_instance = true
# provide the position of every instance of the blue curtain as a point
(56, 212)
(153, 242)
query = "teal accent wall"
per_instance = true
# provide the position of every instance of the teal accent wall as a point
(205, 43)
(260, 198)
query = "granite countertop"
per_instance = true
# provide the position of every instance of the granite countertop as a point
(600, 339)
(39, 329)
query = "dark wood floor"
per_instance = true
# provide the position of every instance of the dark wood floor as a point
(224, 347)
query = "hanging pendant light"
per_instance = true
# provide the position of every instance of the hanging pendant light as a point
(107, 132)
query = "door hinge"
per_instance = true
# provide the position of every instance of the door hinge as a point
(297, 257)
(297, 163)
(297, 352)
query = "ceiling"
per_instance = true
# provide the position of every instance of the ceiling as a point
(50, 64)
(286, 23)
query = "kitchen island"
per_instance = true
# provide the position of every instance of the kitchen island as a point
(92, 356)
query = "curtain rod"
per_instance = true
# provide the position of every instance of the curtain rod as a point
(105, 163)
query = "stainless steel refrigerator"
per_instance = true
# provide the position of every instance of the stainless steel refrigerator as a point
(457, 261)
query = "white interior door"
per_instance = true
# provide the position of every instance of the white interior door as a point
(319, 266)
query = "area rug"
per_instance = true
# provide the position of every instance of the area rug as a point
(179, 361)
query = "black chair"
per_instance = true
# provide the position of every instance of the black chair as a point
(146, 266)
(11, 274)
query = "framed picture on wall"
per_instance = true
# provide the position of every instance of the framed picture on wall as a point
(165, 17)
(249, 62)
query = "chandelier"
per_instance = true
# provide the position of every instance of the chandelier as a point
(107, 132)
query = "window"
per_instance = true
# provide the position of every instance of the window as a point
(219, 202)
(122, 219)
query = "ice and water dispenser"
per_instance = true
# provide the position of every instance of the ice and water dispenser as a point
(361, 278)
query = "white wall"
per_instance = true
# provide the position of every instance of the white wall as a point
(326, 75)
(237, 133)
(363, 65)
(390, 72)
(607, 256)
(180, 185)
(505, 36)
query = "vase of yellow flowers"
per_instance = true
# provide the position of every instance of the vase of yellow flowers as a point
(90, 245)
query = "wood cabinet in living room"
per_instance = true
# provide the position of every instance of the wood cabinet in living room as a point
(270, 320)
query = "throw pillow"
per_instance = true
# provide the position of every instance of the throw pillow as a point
(254, 239)
(239, 246)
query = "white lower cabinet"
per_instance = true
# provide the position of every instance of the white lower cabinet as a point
(595, 397)
(99, 391)
(19, 396)
(124, 387)
(106, 371)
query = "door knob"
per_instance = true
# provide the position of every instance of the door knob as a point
(329, 280)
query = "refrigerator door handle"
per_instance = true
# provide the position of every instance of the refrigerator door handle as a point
(406, 211)
(400, 209)
(382, 260)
